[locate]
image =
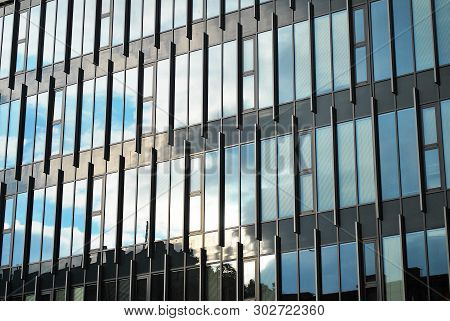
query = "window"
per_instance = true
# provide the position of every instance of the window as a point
(346, 164)
(21, 41)
(32, 49)
(49, 38)
(86, 118)
(232, 187)
(66, 219)
(49, 223)
(442, 12)
(305, 163)
(180, 13)
(13, 131)
(96, 213)
(181, 91)
(195, 87)
(267, 277)
(110, 216)
(215, 82)
(265, 70)
(166, 15)
(248, 184)
(285, 177)
(445, 115)
(130, 103)
(302, 60)
(229, 78)
(99, 112)
(248, 82)
(56, 127)
(60, 36)
(77, 28)
(36, 226)
(423, 34)
(105, 22)
(147, 115)
(89, 26)
(416, 277)
(149, 21)
(7, 231)
(380, 40)
(162, 94)
(129, 208)
(360, 44)
(341, 47)
(431, 147)
(289, 280)
(212, 286)
(330, 276)
(366, 174)
(403, 37)
(325, 187)
(79, 214)
(4, 113)
(229, 275)
(211, 191)
(117, 107)
(162, 201)
(307, 268)
(349, 273)
(69, 119)
(195, 195)
(322, 51)
(285, 65)
(6, 45)
(438, 266)
(143, 204)
(269, 180)
(392, 263)
(119, 22)
(30, 120)
(177, 197)
(249, 280)
(213, 8)
(136, 18)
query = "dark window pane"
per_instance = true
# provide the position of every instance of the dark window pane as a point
(109, 291)
(123, 290)
(192, 285)
(232, 187)
(176, 282)
(248, 185)
(417, 270)
(141, 290)
(212, 286)
(157, 287)
(442, 13)
(438, 266)
(307, 268)
(289, 282)
(267, 277)
(249, 280)
(229, 273)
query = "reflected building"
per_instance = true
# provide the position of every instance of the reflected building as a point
(224, 150)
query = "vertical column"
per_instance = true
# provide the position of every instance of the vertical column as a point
(275, 107)
(78, 118)
(152, 214)
(108, 112)
(120, 200)
(256, 10)
(126, 26)
(221, 218)
(392, 48)
(203, 274)
(376, 156)
(157, 23)
(172, 92)
(21, 133)
(28, 224)
(435, 44)
(88, 214)
(360, 262)
(140, 103)
(222, 15)
(277, 242)
(40, 52)
(351, 50)
(15, 36)
(318, 264)
(240, 272)
(69, 26)
(258, 232)
(2, 213)
(335, 166)
(312, 56)
(186, 192)
(98, 23)
(240, 85)
(420, 156)
(58, 214)
(189, 19)
(295, 174)
(205, 65)
(49, 125)
(402, 233)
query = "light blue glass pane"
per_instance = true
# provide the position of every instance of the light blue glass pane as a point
(89, 26)
(322, 54)
(162, 94)
(149, 18)
(195, 87)
(442, 14)
(180, 13)
(349, 280)
(306, 193)
(9, 208)
(390, 186)
(77, 28)
(267, 277)
(248, 185)
(117, 107)
(49, 223)
(358, 25)
(143, 204)
(361, 64)
(268, 180)
(19, 229)
(407, 134)
(445, 115)
(346, 161)
(369, 260)
(366, 176)
(104, 29)
(249, 92)
(86, 116)
(95, 232)
(49, 38)
(33, 41)
(265, 69)
(432, 169)
(97, 195)
(211, 191)
(148, 82)
(56, 139)
(247, 3)
(305, 151)
(215, 82)
(229, 79)
(41, 125)
(13, 131)
(181, 93)
(79, 215)
(197, 9)
(437, 255)
(341, 50)
(129, 207)
(423, 34)
(147, 117)
(393, 271)
(231, 5)
(248, 55)
(195, 213)
(99, 112)
(36, 226)
(380, 40)
(429, 126)
(415, 252)
(324, 153)
(403, 37)
(232, 187)
(6, 45)
(162, 200)
(6, 249)
(130, 104)
(66, 220)
(285, 63)
(285, 177)
(307, 273)
(20, 63)
(212, 8)
(69, 119)
(118, 22)
(330, 276)
(109, 234)
(289, 274)
(177, 198)
(136, 18)
(61, 23)
(166, 15)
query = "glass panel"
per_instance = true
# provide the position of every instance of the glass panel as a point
(285, 177)
(324, 150)
(322, 54)
(181, 93)
(285, 63)
(265, 69)
(20, 63)
(6, 249)
(267, 277)
(36, 226)
(77, 28)
(231, 5)
(341, 47)
(104, 36)
(49, 223)
(33, 41)
(249, 92)
(423, 34)
(306, 193)
(95, 232)
(248, 50)
(136, 19)
(19, 228)
(417, 270)
(213, 8)
(358, 25)
(60, 40)
(195, 87)
(66, 220)
(330, 277)
(129, 208)
(361, 64)
(49, 39)
(143, 204)
(268, 180)
(166, 15)
(364, 146)
(307, 275)
(9, 208)
(130, 104)
(6, 45)
(248, 184)
(437, 264)
(119, 22)
(180, 13)
(195, 212)
(380, 40)
(211, 191)
(13, 131)
(69, 119)
(215, 82)
(369, 262)
(403, 36)
(229, 78)
(388, 152)
(302, 60)
(197, 9)
(162, 201)
(289, 280)
(109, 234)
(429, 126)
(445, 115)
(56, 139)
(249, 280)
(407, 134)
(393, 274)
(88, 110)
(232, 187)
(212, 282)
(177, 198)
(305, 151)
(79, 215)
(117, 107)
(89, 27)
(442, 15)
(349, 273)
(149, 21)
(99, 112)
(432, 170)
(346, 161)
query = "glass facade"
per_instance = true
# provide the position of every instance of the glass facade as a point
(121, 164)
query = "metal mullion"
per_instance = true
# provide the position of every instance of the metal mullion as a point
(139, 103)
(275, 83)
(447, 233)
(392, 47)
(420, 153)
(49, 125)
(189, 18)
(88, 214)
(221, 212)
(404, 257)
(14, 43)
(318, 264)
(376, 160)
(312, 59)
(108, 112)
(152, 212)
(435, 44)
(256, 10)
(278, 284)
(69, 26)
(258, 219)
(296, 174)
(2, 214)
(240, 89)
(21, 132)
(427, 262)
(98, 18)
(186, 192)
(351, 50)
(336, 207)
(126, 32)
(205, 85)
(58, 214)
(120, 204)
(157, 29)
(78, 118)
(222, 14)
(172, 73)
(360, 262)
(240, 272)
